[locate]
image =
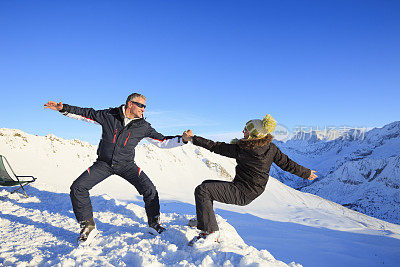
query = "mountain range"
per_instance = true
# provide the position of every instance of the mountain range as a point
(357, 169)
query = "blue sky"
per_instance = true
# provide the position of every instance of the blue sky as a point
(205, 65)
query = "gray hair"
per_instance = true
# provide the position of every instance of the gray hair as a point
(133, 96)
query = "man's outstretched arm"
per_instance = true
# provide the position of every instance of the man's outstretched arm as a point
(161, 141)
(84, 114)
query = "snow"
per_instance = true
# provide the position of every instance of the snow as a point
(282, 227)
(42, 231)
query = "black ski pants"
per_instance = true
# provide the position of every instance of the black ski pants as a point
(214, 190)
(99, 171)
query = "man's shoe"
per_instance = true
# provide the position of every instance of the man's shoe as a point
(88, 231)
(205, 237)
(155, 226)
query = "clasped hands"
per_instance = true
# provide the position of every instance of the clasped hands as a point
(187, 135)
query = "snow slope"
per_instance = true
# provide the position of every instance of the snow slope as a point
(291, 225)
(42, 231)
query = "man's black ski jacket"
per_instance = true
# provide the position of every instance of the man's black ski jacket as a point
(118, 142)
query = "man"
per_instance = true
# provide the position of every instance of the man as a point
(122, 129)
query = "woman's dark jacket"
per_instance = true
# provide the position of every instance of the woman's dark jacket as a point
(254, 158)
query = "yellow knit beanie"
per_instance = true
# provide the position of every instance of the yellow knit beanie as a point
(261, 128)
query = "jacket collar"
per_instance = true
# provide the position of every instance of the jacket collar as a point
(121, 112)
(255, 143)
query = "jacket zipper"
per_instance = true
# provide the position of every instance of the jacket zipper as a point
(115, 135)
(126, 140)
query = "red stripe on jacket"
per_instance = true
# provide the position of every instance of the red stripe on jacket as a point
(87, 118)
(126, 140)
(115, 135)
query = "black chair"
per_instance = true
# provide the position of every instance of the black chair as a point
(9, 178)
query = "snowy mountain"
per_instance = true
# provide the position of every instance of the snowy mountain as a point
(282, 227)
(360, 170)
(343, 133)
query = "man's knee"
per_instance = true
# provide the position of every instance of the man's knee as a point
(77, 186)
(150, 192)
(74, 186)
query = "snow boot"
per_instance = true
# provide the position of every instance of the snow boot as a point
(205, 237)
(192, 222)
(155, 226)
(88, 231)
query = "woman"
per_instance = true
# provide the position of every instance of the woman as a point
(254, 155)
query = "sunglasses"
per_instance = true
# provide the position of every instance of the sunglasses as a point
(140, 105)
